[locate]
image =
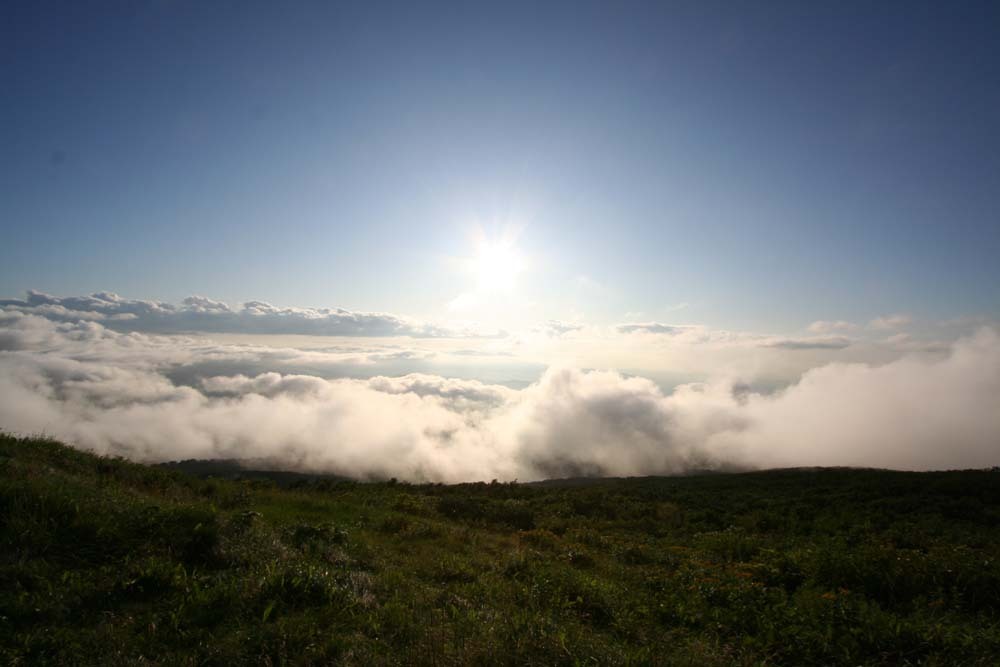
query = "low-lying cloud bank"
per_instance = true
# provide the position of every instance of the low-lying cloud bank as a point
(112, 392)
(198, 313)
(696, 334)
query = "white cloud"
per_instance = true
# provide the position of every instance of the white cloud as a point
(113, 392)
(912, 413)
(831, 326)
(19, 331)
(886, 322)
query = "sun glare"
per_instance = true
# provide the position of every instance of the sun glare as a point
(497, 266)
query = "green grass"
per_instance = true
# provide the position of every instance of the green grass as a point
(103, 561)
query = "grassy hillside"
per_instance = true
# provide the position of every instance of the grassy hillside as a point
(108, 562)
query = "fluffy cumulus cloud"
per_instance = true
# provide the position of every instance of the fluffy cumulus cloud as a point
(198, 313)
(119, 393)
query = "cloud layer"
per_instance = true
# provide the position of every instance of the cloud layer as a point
(696, 334)
(119, 393)
(198, 313)
(810, 343)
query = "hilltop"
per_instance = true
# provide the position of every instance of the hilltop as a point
(103, 561)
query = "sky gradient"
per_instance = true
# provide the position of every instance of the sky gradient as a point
(768, 167)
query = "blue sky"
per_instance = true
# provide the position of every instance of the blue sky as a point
(768, 165)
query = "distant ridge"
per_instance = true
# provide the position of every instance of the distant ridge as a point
(248, 469)
(272, 470)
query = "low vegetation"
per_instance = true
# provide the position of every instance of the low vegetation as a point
(107, 562)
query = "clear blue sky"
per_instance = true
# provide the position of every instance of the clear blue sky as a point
(769, 164)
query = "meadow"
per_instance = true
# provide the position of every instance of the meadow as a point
(103, 561)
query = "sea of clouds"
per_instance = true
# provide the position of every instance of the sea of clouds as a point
(69, 370)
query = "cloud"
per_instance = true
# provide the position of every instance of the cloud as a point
(472, 352)
(831, 326)
(114, 392)
(915, 412)
(556, 328)
(812, 343)
(201, 314)
(574, 423)
(692, 334)
(20, 332)
(897, 321)
(651, 328)
(700, 335)
(969, 322)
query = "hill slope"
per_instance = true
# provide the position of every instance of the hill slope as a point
(104, 561)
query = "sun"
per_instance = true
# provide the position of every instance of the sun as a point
(497, 265)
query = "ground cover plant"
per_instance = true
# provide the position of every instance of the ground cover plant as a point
(103, 561)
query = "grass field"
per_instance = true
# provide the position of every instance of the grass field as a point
(108, 562)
